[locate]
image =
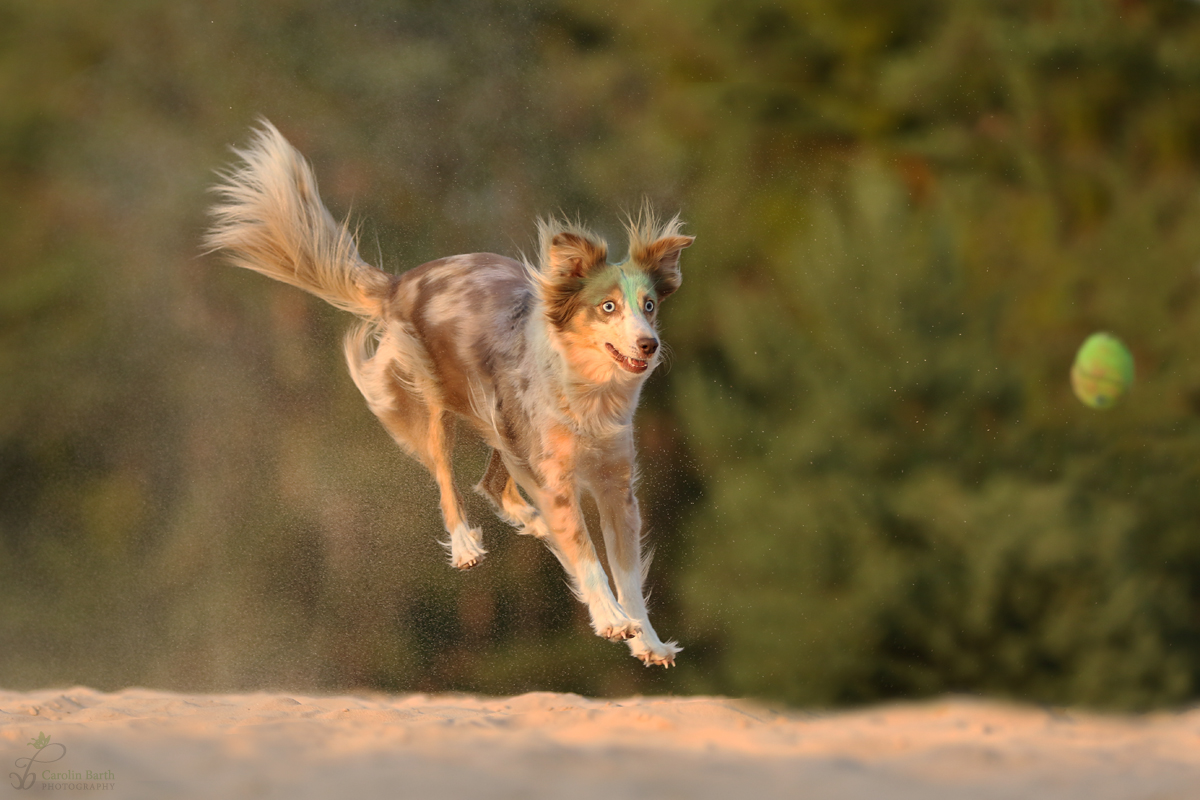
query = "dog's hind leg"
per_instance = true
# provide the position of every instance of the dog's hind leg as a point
(398, 389)
(498, 486)
(465, 544)
(426, 434)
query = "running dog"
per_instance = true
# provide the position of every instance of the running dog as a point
(546, 362)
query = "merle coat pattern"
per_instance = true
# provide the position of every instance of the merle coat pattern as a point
(545, 362)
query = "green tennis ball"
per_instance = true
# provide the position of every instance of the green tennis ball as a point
(1102, 372)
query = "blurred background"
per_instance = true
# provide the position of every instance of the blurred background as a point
(866, 476)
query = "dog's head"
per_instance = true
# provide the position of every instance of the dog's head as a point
(605, 315)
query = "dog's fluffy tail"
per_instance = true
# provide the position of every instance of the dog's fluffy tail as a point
(271, 220)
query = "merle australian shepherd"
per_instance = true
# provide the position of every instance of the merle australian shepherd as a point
(546, 362)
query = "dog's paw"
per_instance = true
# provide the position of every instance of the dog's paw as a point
(660, 654)
(465, 547)
(620, 631)
(464, 563)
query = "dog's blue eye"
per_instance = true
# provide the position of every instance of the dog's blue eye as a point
(609, 307)
(649, 306)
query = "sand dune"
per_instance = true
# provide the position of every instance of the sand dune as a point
(148, 744)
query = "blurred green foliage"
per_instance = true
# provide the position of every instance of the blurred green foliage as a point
(865, 474)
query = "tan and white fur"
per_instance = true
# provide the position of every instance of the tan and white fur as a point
(544, 361)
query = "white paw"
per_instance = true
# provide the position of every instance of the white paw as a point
(609, 620)
(465, 547)
(653, 652)
(619, 631)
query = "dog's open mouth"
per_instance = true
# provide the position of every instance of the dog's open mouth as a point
(634, 365)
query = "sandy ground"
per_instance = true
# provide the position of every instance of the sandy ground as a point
(149, 744)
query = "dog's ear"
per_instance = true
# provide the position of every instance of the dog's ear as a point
(660, 258)
(569, 256)
(573, 255)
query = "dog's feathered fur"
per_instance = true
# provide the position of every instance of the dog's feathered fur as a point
(546, 362)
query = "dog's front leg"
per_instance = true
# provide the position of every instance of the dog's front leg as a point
(622, 524)
(558, 500)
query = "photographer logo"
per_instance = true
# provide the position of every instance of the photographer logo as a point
(34, 770)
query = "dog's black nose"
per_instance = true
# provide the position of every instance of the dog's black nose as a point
(648, 345)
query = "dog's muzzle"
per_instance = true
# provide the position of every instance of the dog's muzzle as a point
(635, 365)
